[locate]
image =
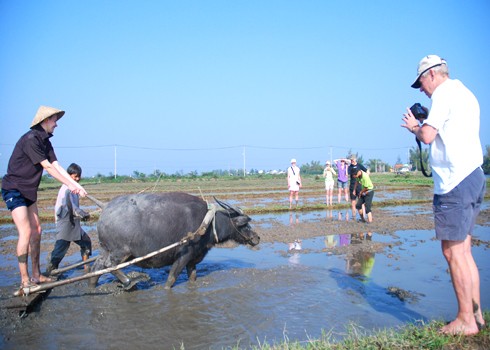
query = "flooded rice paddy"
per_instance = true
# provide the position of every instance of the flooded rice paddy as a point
(373, 277)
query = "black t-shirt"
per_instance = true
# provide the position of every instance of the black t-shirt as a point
(353, 169)
(24, 169)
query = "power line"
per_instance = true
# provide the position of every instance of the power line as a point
(229, 147)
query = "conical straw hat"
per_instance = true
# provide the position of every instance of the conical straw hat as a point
(45, 112)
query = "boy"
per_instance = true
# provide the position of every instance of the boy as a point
(68, 215)
(365, 196)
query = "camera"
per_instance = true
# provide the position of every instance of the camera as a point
(419, 112)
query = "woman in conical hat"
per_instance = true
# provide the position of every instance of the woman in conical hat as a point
(32, 154)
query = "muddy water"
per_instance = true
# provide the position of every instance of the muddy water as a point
(244, 296)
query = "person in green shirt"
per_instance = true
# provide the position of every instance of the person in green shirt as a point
(365, 196)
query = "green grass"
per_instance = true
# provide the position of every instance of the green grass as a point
(411, 336)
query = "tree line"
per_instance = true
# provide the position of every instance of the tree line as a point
(312, 168)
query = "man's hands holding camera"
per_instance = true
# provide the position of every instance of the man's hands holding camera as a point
(414, 116)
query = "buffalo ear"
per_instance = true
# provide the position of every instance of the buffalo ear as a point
(241, 220)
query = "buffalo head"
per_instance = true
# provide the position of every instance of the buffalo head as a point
(242, 231)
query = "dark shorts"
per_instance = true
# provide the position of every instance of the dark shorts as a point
(353, 196)
(367, 200)
(455, 212)
(14, 199)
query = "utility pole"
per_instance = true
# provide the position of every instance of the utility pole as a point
(244, 169)
(115, 161)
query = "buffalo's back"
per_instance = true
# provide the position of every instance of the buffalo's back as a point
(138, 224)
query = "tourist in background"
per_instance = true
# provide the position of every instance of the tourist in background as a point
(342, 179)
(294, 183)
(328, 174)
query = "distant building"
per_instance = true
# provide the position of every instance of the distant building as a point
(402, 168)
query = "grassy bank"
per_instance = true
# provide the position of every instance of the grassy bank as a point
(412, 336)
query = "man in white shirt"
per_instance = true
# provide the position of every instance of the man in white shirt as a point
(452, 129)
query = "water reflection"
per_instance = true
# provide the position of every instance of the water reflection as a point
(344, 239)
(293, 219)
(295, 246)
(332, 215)
(361, 263)
(330, 241)
(343, 216)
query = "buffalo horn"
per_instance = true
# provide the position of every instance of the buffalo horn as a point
(229, 207)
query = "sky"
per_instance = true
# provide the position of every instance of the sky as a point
(195, 86)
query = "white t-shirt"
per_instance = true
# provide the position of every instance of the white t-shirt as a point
(293, 176)
(456, 151)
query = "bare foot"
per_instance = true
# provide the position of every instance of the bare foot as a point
(27, 284)
(41, 279)
(459, 327)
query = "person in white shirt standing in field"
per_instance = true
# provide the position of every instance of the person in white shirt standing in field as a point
(294, 183)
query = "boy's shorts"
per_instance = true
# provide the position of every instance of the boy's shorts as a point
(14, 199)
(455, 212)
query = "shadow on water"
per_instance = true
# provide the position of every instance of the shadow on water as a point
(374, 294)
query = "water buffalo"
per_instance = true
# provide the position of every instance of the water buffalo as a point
(132, 226)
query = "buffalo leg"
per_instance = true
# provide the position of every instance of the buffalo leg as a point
(191, 272)
(99, 264)
(103, 262)
(175, 271)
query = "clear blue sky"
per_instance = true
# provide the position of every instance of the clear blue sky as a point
(191, 85)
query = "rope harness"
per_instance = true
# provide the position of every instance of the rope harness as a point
(208, 219)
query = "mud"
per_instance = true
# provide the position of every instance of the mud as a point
(270, 230)
(245, 296)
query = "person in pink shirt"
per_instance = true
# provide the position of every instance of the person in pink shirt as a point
(342, 178)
